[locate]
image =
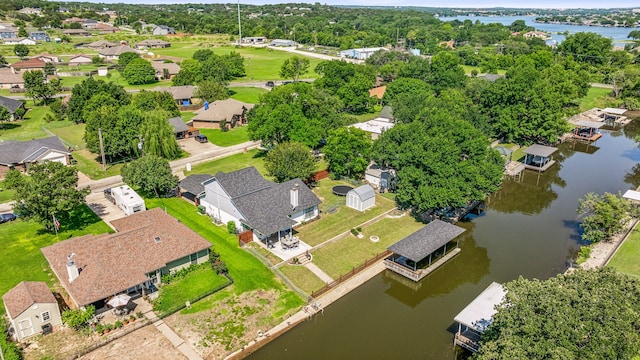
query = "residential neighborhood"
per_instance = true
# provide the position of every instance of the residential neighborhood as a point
(196, 181)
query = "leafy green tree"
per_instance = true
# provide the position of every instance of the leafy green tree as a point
(125, 58)
(21, 50)
(82, 92)
(290, 160)
(446, 72)
(348, 151)
(100, 112)
(5, 116)
(139, 71)
(295, 112)
(49, 69)
(190, 73)
(3, 61)
(158, 137)
(294, 67)
(201, 55)
(405, 86)
(586, 47)
(211, 90)
(50, 188)
(587, 314)
(155, 100)
(38, 88)
(22, 32)
(604, 215)
(151, 174)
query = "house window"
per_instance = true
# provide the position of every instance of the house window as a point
(194, 258)
(46, 316)
(309, 212)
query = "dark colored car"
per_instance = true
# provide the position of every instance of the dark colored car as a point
(6, 218)
(271, 84)
(201, 138)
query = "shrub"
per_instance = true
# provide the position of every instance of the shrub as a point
(139, 314)
(219, 267)
(168, 278)
(78, 318)
(354, 232)
(10, 349)
(584, 254)
(118, 324)
(359, 229)
(202, 209)
(231, 227)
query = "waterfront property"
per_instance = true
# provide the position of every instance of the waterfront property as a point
(146, 246)
(477, 316)
(539, 157)
(418, 254)
(587, 130)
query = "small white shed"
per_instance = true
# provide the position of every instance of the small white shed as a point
(361, 198)
(127, 199)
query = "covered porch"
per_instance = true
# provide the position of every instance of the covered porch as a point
(539, 157)
(282, 243)
(420, 253)
(587, 130)
(477, 316)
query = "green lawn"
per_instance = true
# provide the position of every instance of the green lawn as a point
(27, 129)
(595, 98)
(249, 95)
(627, 259)
(89, 165)
(5, 194)
(468, 69)
(260, 63)
(302, 277)
(70, 133)
(188, 288)
(227, 138)
(21, 241)
(232, 163)
(187, 115)
(340, 257)
(247, 272)
(343, 219)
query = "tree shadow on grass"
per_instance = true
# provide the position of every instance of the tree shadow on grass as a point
(260, 154)
(9, 126)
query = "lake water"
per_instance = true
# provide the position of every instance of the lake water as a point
(529, 229)
(617, 34)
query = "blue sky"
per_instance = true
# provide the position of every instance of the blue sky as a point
(451, 3)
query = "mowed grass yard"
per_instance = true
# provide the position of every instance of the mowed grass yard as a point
(302, 277)
(231, 137)
(247, 94)
(627, 259)
(596, 97)
(21, 241)
(342, 219)
(5, 194)
(340, 257)
(231, 163)
(260, 63)
(247, 271)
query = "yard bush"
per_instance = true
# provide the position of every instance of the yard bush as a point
(8, 348)
(78, 318)
(355, 232)
(168, 278)
(231, 227)
(202, 209)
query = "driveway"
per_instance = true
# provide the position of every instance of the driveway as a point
(104, 208)
(191, 146)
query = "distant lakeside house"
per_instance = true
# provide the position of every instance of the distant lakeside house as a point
(146, 245)
(269, 210)
(21, 154)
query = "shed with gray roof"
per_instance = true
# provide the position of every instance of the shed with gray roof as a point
(418, 254)
(192, 186)
(361, 198)
(179, 127)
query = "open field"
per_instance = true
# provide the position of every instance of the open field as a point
(627, 258)
(29, 128)
(340, 257)
(232, 163)
(71, 134)
(5, 194)
(22, 240)
(227, 138)
(249, 95)
(595, 98)
(342, 219)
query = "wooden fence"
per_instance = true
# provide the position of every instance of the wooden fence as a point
(350, 274)
(245, 237)
(319, 175)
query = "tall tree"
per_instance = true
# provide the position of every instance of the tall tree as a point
(21, 50)
(158, 137)
(82, 92)
(587, 314)
(290, 160)
(138, 72)
(294, 67)
(211, 90)
(155, 100)
(125, 58)
(348, 151)
(151, 174)
(50, 189)
(604, 215)
(587, 47)
(39, 88)
(190, 73)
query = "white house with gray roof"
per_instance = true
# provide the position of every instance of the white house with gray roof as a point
(268, 209)
(20, 154)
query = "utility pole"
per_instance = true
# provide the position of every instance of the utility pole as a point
(104, 163)
(239, 26)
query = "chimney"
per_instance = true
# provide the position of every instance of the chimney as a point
(294, 196)
(72, 268)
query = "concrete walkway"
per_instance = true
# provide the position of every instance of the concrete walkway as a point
(319, 273)
(177, 342)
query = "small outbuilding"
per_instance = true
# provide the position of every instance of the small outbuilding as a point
(32, 309)
(127, 199)
(361, 198)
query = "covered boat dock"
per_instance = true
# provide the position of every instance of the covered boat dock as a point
(587, 130)
(420, 253)
(477, 316)
(539, 157)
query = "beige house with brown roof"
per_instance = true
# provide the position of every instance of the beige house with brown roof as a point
(232, 111)
(160, 66)
(146, 246)
(10, 78)
(32, 309)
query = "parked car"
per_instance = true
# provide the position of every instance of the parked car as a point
(109, 196)
(270, 84)
(6, 218)
(201, 138)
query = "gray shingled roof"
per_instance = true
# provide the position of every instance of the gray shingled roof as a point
(386, 112)
(11, 104)
(364, 192)
(193, 183)
(428, 239)
(18, 152)
(178, 125)
(242, 182)
(540, 150)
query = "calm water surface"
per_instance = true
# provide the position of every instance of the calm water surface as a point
(529, 229)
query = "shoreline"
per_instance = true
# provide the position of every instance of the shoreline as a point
(576, 24)
(308, 312)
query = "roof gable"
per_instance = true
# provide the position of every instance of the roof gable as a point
(11, 104)
(17, 152)
(242, 182)
(194, 183)
(364, 192)
(428, 239)
(25, 294)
